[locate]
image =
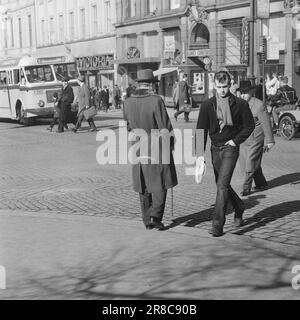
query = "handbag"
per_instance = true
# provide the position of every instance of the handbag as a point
(90, 113)
(200, 170)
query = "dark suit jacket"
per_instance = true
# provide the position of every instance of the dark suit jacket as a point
(66, 100)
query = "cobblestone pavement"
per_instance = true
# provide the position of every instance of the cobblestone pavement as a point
(49, 172)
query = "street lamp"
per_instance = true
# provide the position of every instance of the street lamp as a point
(252, 20)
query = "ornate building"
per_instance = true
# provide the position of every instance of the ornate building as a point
(202, 37)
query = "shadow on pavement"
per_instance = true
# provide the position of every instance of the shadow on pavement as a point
(269, 215)
(196, 219)
(293, 178)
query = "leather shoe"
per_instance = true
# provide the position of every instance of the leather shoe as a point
(238, 222)
(155, 224)
(74, 130)
(176, 117)
(215, 232)
(260, 188)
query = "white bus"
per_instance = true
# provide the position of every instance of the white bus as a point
(27, 85)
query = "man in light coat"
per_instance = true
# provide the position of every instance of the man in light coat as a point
(146, 111)
(83, 101)
(252, 150)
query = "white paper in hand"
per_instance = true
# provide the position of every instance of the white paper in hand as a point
(200, 170)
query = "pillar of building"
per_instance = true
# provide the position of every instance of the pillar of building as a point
(289, 33)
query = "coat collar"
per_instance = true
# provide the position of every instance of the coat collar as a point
(232, 100)
(139, 93)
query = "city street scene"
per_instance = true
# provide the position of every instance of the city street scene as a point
(150, 150)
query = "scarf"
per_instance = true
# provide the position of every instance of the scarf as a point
(224, 112)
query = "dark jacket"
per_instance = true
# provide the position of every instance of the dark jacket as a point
(183, 93)
(147, 111)
(66, 100)
(243, 122)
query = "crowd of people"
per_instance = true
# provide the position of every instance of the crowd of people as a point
(239, 125)
(85, 106)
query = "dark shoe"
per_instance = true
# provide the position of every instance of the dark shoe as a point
(155, 224)
(74, 130)
(216, 232)
(59, 131)
(260, 188)
(176, 117)
(246, 193)
(238, 222)
(238, 218)
(94, 130)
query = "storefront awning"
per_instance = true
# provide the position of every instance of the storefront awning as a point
(163, 71)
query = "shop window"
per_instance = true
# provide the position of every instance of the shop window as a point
(233, 40)
(200, 36)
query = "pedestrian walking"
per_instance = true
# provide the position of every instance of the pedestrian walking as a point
(56, 106)
(105, 98)
(184, 100)
(117, 97)
(253, 148)
(66, 101)
(83, 106)
(175, 96)
(146, 111)
(229, 122)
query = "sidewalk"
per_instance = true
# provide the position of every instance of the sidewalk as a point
(54, 256)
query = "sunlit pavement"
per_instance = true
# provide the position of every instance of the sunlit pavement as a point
(71, 228)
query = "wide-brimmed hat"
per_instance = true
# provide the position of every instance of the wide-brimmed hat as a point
(246, 86)
(81, 78)
(146, 75)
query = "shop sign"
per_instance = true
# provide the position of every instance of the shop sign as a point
(198, 53)
(245, 48)
(273, 48)
(133, 53)
(170, 44)
(101, 62)
(263, 9)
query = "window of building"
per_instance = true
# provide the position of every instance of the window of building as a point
(20, 33)
(43, 32)
(12, 32)
(233, 40)
(52, 31)
(273, 28)
(72, 25)
(151, 6)
(82, 22)
(131, 8)
(30, 30)
(107, 16)
(95, 20)
(200, 36)
(61, 28)
(174, 4)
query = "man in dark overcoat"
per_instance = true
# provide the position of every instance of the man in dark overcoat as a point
(66, 100)
(146, 111)
(183, 98)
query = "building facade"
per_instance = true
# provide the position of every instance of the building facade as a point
(202, 37)
(17, 28)
(84, 28)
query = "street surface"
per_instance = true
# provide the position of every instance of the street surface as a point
(71, 228)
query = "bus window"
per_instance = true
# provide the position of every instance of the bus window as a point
(39, 74)
(3, 78)
(16, 74)
(66, 70)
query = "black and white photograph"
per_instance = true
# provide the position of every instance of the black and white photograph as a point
(150, 151)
